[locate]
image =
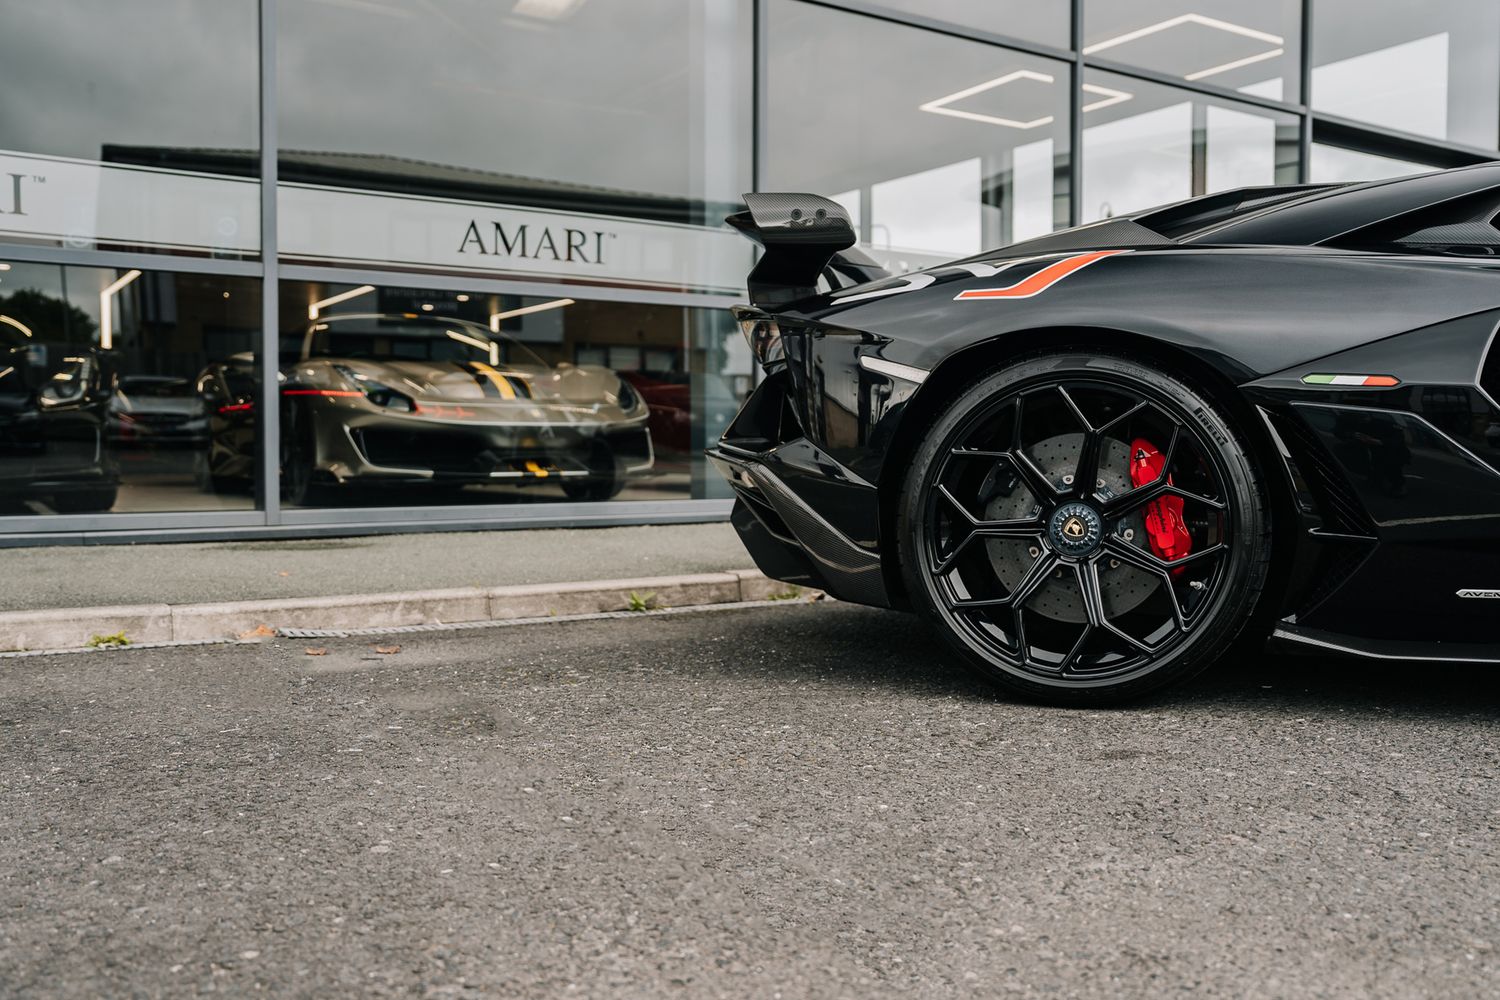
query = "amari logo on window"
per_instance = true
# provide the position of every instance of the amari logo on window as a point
(575, 245)
(16, 187)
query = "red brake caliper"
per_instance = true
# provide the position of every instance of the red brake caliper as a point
(1169, 535)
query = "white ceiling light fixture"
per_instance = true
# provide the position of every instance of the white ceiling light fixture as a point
(333, 300)
(940, 106)
(107, 307)
(1235, 64)
(547, 10)
(495, 318)
(1229, 27)
(17, 324)
(1110, 96)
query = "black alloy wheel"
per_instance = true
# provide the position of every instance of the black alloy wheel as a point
(1084, 528)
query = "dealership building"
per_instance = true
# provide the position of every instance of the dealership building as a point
(298, 267)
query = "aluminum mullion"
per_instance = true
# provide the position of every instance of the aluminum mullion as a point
(942, 27)
(501, 286)
(1075, 120)
(1304, 95)
(1414, 147)
(206, 520)
(1206, 90)
(760, 92)
(269, 425)
(67, 257)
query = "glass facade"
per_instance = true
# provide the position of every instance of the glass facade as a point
(273, 265)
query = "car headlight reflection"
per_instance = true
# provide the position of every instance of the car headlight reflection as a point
(378, 392)
(69, 384)
(626, 396)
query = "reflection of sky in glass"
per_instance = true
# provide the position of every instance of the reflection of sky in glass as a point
(935, 210)
(647, 96)
(1331, 165)
(80, 74)
(1137, 161)
(1402, 87)
(1428, 68)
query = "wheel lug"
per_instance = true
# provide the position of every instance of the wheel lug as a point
(1033, 552)
(1114, 564)
(1067, 480)
(1128, 534)
(1099, 485)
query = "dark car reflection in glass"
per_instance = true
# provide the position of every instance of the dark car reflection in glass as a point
(160, 422)
(54, 400)
(384, 400)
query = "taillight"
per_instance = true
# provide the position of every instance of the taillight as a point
(762, 334)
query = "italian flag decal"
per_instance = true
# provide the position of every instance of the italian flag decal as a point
(1370, 381)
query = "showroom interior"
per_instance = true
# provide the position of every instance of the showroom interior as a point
(477, 245)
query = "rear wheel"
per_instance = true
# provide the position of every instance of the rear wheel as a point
(300, 483)
(1084, 528)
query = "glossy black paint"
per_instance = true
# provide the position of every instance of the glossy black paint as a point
(1388, 502)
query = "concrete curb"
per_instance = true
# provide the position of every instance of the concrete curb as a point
(71, 628)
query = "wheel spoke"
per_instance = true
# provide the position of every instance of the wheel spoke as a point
(1091, 592)
(1034, 578)
(1110, 424)
(1025, 527)
(1083, 421)
(1086, 475)
(954, 502)
(1066, 666)
(1126, 552)
(1158, 567)
(945, 563)
(1140, 496)
(1036, 481)
(1021, 528)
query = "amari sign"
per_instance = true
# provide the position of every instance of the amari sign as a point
(90, 204)
(335, 225)
(86, 204)
(573, 245)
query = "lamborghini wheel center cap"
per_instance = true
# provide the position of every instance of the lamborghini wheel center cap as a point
(1075, 529)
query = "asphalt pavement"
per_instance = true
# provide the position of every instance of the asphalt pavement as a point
(799, 801)
(197, 572)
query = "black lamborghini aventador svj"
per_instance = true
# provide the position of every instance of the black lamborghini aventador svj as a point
(1097, 459)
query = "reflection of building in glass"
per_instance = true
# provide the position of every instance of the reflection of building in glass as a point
(555, 175)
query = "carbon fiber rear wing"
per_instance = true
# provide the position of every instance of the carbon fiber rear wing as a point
(801, 234)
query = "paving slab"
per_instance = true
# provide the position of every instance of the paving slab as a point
(209, 572)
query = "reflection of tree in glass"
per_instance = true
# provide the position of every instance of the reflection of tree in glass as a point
(50, 319)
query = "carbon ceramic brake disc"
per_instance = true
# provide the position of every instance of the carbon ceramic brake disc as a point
(1124, 587)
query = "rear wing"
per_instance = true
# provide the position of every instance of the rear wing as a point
(801, 234)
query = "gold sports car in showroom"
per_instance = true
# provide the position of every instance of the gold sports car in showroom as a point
(400, 399)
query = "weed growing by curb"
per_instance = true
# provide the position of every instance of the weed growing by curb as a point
(108, 641)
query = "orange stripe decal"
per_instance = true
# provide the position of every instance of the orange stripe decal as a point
(1042, 280)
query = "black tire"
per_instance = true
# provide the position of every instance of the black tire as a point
(86, 501)
(1059, 602)
(604, 481)
(300, 485)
